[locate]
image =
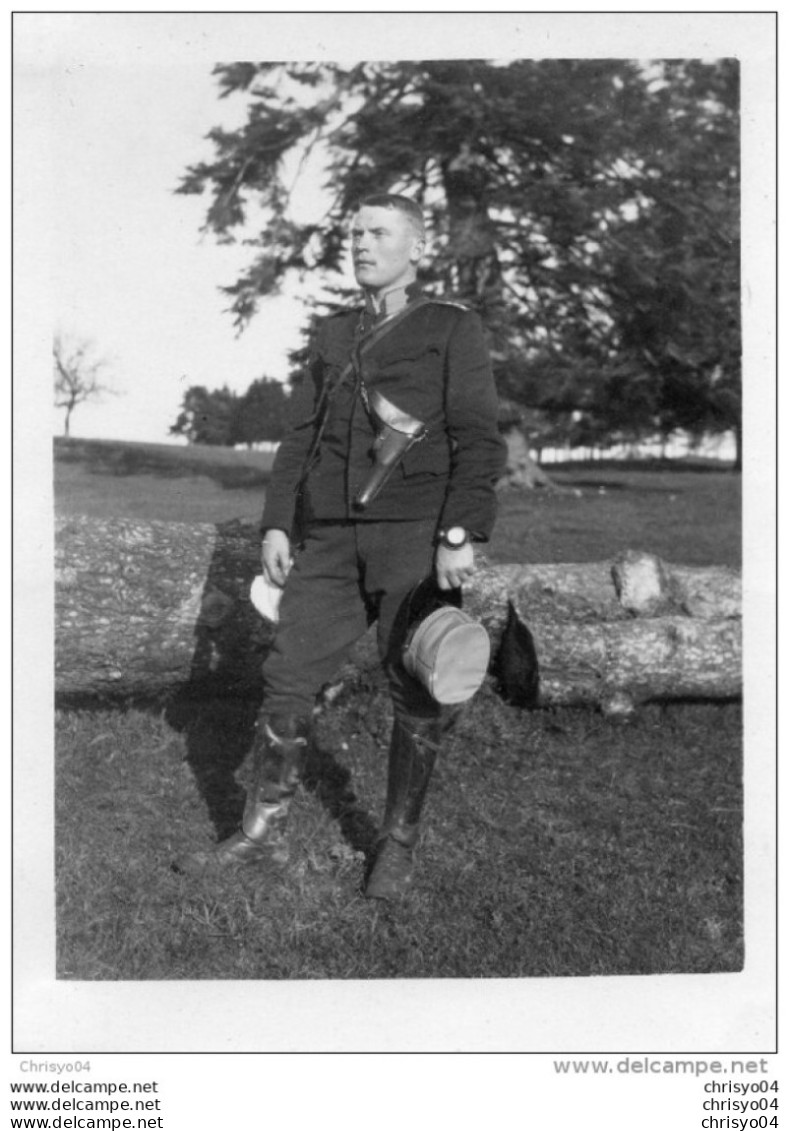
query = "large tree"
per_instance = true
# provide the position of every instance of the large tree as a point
(588, 209)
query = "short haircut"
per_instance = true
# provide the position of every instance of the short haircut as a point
(397, 203)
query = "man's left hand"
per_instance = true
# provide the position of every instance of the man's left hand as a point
(454, 567)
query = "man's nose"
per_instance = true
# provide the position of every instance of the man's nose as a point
(361, 242)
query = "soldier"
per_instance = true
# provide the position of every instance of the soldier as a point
(375, 517)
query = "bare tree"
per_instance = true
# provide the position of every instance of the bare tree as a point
(77, 375)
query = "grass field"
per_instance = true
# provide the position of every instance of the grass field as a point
(557, 842)
(689, 513)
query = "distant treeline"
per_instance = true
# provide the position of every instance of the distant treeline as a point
(222, 418)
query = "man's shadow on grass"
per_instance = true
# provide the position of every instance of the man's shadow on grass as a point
(217, 708)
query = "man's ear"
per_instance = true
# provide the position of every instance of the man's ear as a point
(417, 249)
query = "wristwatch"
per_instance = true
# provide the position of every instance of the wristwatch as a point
(453, 537)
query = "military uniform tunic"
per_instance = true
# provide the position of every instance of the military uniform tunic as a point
(434, 365)
(353, 568)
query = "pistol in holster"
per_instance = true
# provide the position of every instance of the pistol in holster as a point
(396, 432)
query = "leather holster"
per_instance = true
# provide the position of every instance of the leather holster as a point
(396, 433)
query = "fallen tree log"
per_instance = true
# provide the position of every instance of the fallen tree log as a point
(144, 609)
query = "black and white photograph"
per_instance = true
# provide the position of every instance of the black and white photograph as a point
(398, 473)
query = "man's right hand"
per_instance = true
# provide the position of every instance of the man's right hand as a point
(275, 556)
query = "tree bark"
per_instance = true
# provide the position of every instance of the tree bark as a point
(147, 609)
(522, 472)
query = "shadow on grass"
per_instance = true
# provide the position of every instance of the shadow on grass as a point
(331, 783)
(698, 464)
(216, 710)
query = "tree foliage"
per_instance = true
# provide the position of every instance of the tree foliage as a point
(589, 209)
(207, 416)
(262, 412)
(221, 417)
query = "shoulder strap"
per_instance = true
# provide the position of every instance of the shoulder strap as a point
(449, 302)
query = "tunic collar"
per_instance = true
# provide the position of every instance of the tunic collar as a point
(391, 302)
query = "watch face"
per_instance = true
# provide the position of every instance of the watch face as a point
(456, 536)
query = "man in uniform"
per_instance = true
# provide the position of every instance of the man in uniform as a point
(351, 564)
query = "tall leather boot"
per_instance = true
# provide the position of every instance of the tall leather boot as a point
(280, 750)
(412, 756)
